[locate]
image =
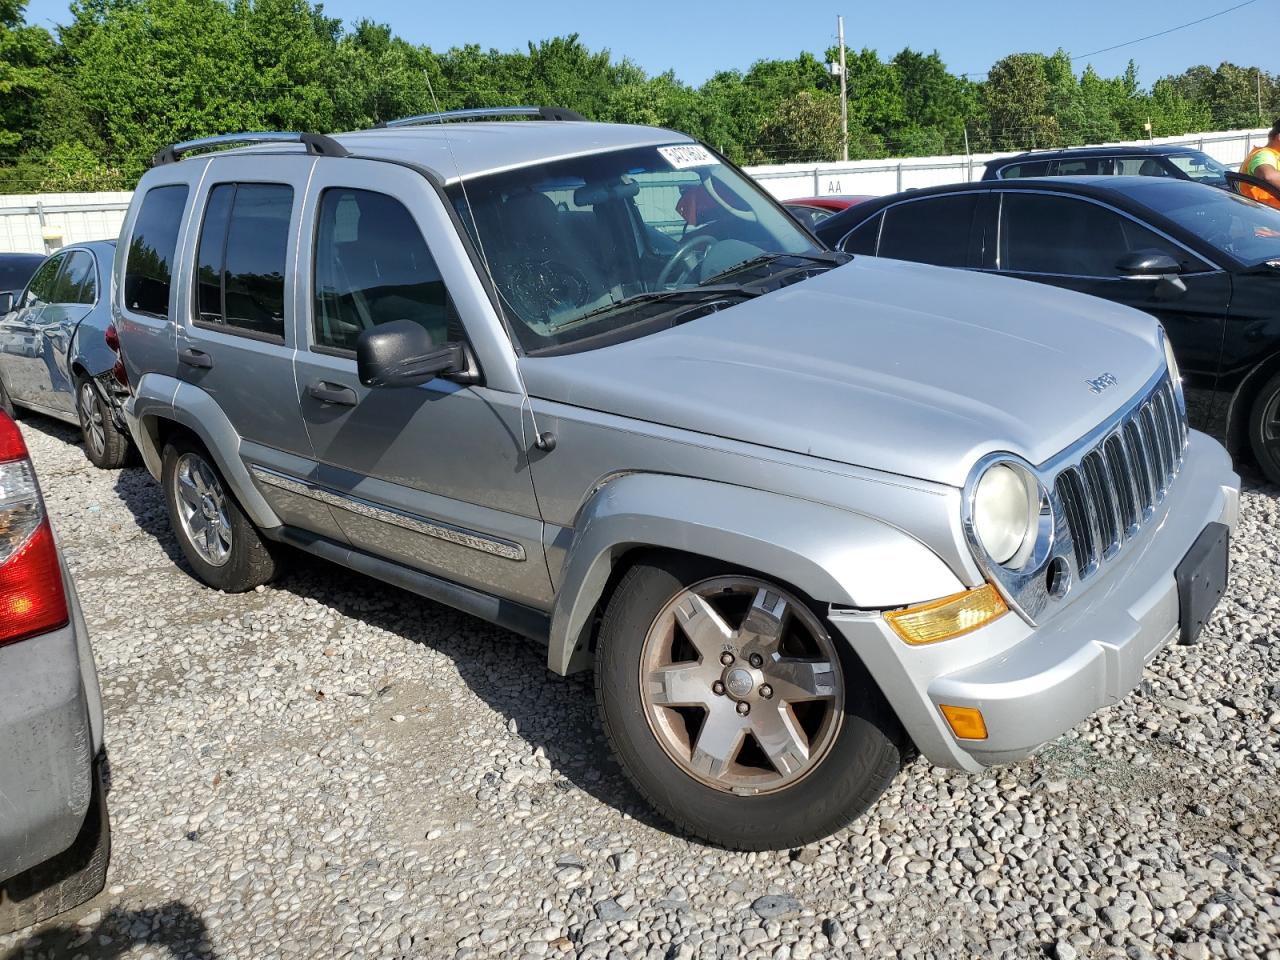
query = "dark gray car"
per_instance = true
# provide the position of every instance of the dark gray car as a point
(54, 833)
(56, 349)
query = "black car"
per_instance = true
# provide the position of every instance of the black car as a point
(1205, 261)
(16, 269)
(1172, 161)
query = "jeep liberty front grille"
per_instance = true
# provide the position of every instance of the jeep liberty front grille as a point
(1113, 489)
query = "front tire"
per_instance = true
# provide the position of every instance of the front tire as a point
(219, 541)
(105, 446)
(1264, 429)
(734, 711)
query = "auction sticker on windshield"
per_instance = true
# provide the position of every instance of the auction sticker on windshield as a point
(681, 156)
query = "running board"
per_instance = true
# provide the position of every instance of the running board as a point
(507, 614)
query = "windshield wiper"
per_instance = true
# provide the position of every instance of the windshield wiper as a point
(657, 296)
(829, 257)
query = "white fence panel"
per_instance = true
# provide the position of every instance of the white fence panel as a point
(37, 223)
(879, 177)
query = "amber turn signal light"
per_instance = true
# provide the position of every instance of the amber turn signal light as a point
(949, 617)
(966, 722)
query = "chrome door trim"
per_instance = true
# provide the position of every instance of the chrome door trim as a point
(438, 529)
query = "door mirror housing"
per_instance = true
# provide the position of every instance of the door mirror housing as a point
(6, 301)
(1147, 265)
(402, 354)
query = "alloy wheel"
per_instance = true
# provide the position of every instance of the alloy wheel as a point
(741, 685)
(91, 423)
(202, 509)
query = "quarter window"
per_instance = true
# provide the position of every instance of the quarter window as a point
(372, 267)
(862, 239)
(240, 261)
(930, 231)
(43, 285)
(149, 269)
(1034, 168)
(1070, 237)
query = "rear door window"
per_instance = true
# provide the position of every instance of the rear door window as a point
(1085, 167)
(240, 260)
(933, 231)
(77, 281)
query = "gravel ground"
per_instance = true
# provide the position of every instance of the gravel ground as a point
(329, 767)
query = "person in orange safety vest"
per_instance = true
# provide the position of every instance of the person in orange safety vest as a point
(1264, 163)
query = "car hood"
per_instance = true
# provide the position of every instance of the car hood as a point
(894, 366)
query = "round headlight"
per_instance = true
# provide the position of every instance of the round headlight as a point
(1170, 360)
(1006, 510)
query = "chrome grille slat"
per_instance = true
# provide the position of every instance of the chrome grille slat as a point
(1122, 476)
(1108, 491)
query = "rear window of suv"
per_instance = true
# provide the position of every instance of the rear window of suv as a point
(149, 269)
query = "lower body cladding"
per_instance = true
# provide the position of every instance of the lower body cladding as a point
(1033, 683)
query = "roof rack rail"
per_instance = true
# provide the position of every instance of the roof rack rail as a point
(317, 144)
(485, 113)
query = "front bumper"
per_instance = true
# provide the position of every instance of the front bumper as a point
(50, 731)
(1032, 684)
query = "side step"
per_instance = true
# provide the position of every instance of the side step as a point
(507, 614)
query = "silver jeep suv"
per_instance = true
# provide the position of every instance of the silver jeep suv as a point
(587, 381)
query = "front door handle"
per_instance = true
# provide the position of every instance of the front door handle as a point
(334, 393)
(195, 358)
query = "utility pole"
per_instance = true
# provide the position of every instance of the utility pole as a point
(844, 97)
(1260, 123)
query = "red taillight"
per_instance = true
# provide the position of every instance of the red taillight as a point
(32, 598)
(119, 373)
(12, 446)
(112, 338)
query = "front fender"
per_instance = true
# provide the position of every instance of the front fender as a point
(158, 397)
(835, 556)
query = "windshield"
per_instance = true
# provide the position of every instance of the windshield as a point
(1199, 166)
(1248, 231)
(592, 244)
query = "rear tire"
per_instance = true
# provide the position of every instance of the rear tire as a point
(852, 766)
(1264, 429)
(104, 444)
(66, 881)
(7, 404)
(220, 543)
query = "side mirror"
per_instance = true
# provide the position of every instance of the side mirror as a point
(6, 301)
(1147, 265)
(402, 354)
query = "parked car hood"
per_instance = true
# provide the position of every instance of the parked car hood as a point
(895, 366)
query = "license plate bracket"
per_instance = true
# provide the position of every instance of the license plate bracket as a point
(1202, 579)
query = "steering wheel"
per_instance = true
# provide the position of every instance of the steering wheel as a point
(709, 184)
(684, 252)
(540, 285)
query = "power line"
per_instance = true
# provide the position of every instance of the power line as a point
(1150, 36)
(1162, 33)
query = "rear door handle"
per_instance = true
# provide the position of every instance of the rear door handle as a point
(195, 358)
(332, 393)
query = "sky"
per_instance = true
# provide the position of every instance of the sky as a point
(698, 39)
